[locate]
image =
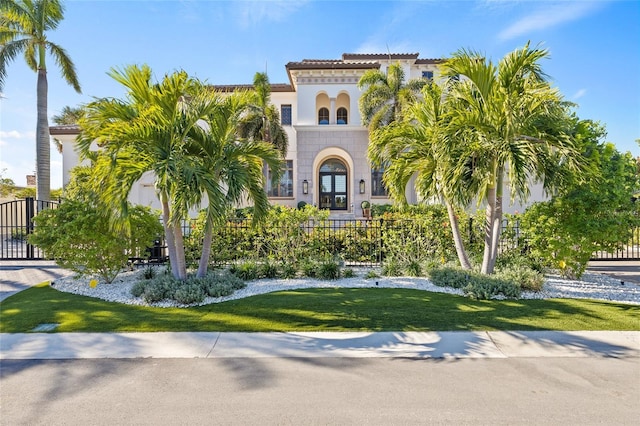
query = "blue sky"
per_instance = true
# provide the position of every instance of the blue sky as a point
(594, 46)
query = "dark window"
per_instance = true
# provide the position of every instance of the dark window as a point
(377, 185)
(323, 116)
(342, 116)
(427, 75)
(285, 115)
(284, 188)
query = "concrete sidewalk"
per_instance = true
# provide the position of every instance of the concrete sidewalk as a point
(492, 344)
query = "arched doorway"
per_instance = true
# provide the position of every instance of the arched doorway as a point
(333, 185)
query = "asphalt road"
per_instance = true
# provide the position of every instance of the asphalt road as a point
(334, 391)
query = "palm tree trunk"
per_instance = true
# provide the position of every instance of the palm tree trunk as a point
(488, 230)
(168, 235)
(180, 257)
(206, 251)
(43, 154)
(497, 222)
(457, 238)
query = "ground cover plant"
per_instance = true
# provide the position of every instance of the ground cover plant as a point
(328, 309)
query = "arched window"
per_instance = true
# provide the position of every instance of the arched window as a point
(323, 116)
(342, 116)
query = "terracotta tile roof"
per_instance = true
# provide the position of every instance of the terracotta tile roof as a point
(378, 56)
(276, 87)
(316, 64)
(68, 129)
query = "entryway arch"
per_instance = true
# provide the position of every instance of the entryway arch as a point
(333, 175)
(333, 181)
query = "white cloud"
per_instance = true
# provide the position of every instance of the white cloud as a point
(13, 134)
(580, 93)
(255, 12)
(550, 15)
(7, 137)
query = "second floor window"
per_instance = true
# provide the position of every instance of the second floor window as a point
(285, 115)
(428, 75)
(342, 116)
(323, 116)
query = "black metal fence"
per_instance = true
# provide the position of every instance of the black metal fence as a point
(357, 241)
(16, 223)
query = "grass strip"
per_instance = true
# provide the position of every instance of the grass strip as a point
(333, 309)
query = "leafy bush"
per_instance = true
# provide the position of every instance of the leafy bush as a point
(268, 269)
(246, 270)
(328, 270)
(473, 284)
(391, 268)
(413, 268)
(288, 270)
(82, 238)
(371, 274)
(488, 287)
(191, 291)
(310, 268)
(526, 278)
(348, 273)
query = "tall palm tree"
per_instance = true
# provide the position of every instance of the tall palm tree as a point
(419, 146)
(515, 125)
(23, 29)
(386, 95)
(185, 135)
(261, 121)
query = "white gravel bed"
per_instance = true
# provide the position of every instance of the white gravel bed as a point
(590, 286)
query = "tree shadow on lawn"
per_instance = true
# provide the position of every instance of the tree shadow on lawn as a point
(327, 309)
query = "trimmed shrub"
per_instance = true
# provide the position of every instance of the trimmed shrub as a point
(189, 293)
(473, 284)
(525, 277)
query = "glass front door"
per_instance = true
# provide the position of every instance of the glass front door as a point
(333, 185)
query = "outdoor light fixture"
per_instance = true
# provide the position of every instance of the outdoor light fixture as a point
(362, 186)
(305, 187)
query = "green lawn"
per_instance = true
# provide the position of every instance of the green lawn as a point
(338, 309)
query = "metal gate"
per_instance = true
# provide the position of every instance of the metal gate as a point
(16, 223)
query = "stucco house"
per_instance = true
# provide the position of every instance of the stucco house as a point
(326, 163)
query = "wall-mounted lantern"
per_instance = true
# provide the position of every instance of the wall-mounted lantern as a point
(362, 188)
(305, 187)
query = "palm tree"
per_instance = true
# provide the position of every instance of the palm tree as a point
(67, 117)
(418, 146)
(515, 125)
(262, 120)
(23, 29)
(386, 95)
(184, 134)
(235, 165)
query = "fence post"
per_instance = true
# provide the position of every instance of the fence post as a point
(28, 222)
